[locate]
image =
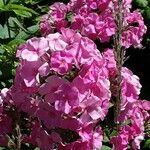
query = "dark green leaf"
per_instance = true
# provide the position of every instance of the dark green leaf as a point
(147, 144)
(4, 85)
(142, 3)
(147, 13)
(16, 21)
(0, 72)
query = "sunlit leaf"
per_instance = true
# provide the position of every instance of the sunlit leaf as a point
(18, 9)
(1, 3)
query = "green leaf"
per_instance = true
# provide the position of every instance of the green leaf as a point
(18, 9)
(44, 9)
(17, 22)
(142, 3)
(147, 13)
(2, 51)
(2, 148)
(147, 144)
(16, 42)
(23, 13)
(2, 58)
(4, 32)
(105, 139)
(69, 16)
(126, 122)
(1, 3)
(105, 148)
(32, 2)
(113, 133)
(32, 30)
(0, 72)
(4, 85)
(13, 1)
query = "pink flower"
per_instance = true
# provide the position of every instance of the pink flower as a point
(110, 62)
(50, 117)
(29, 72)
(45, 25)
(70, 36)
(106, 27)
(121, 142)
(132, 34)
(93, 138)
(130, 86)
(40, 137)
(55, 19)
(5, 129)
(61, 62)
(34, 47)
(75, 145)
(66, 98)
(63, 84)
(51, 85)
(56, 43)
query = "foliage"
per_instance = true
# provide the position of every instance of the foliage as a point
(18, 23)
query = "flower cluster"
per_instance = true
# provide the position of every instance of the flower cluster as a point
(63, 85)
(62, 81)
(55, 19)
(95, 19)
(134, 112)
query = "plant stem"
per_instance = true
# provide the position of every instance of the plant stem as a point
(119, 56)
(9, 34)
(18, 143)
(18, 132)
